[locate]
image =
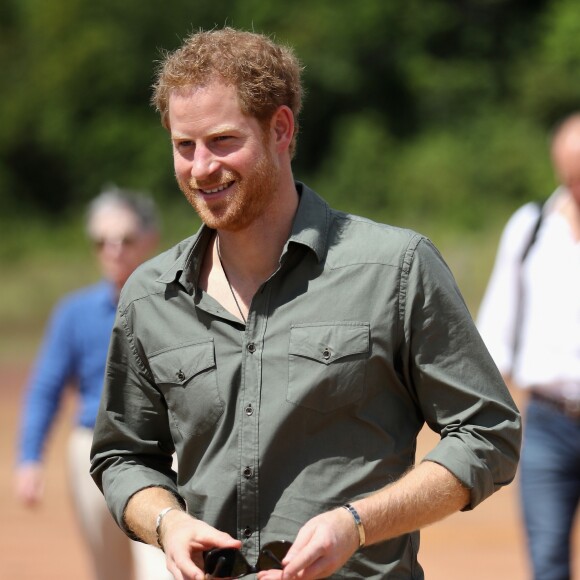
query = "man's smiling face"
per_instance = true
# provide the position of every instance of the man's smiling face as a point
(222, 158)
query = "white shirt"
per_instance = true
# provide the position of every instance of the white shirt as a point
(548, 356)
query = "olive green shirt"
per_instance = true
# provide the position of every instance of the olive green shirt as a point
(357, 339)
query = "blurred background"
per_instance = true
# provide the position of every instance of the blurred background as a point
(433, 115)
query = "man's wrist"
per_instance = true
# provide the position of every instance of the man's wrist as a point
(159, 521)
(358, 523)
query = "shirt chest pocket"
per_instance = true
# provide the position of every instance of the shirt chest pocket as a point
(187, 377)
(327, 364)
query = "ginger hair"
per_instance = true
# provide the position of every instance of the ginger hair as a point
(265, 74)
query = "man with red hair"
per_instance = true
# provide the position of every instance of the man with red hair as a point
(289, 354)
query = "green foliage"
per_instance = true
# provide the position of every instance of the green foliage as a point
(459, 178)
(74, 106)
(550, 85)
(354, 175)
(415, 76)
(432, 115)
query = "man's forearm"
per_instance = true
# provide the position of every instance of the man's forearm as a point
(423, 496)
(143, 509)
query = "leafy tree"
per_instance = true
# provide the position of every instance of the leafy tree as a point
(550, 83)
(431, 105)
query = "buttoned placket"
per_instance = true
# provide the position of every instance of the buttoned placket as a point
(248, 490)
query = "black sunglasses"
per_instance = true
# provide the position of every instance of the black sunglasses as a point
(230, 562)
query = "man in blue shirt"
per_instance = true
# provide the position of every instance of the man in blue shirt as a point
(124, 231)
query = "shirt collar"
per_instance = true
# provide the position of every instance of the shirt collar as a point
(310, 229)
(311, 222)
(185, 270)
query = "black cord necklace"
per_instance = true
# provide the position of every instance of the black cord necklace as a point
(227, 278)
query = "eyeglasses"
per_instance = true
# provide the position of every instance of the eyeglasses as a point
(230, 562)
(122, 242)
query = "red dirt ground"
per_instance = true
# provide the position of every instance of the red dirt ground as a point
(484, 544)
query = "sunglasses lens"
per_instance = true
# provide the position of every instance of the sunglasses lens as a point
(272, 554)
(225, 563)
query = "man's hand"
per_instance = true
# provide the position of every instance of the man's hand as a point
(424, 495)
(322, 546)
(184, 540)
(29, 483)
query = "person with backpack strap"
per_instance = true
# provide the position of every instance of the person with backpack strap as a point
(529, 319)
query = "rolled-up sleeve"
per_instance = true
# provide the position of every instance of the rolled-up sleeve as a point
(132, 445)
(460, 390)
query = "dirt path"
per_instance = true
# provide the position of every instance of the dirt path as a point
(485, 544)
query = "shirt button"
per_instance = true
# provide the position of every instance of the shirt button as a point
(251, 347)
(180, 375)
(326, 353)
(247, 472)
(247, 532)
(249, 410)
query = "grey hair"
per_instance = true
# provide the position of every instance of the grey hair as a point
(142, 206)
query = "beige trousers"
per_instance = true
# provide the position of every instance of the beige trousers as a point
(113, 555)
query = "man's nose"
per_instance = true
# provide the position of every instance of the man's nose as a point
(204, 163)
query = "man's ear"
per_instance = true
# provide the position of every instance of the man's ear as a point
(282, 128)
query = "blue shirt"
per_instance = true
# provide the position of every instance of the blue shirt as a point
(74, 351)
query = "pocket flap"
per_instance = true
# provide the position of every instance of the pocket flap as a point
(178, 365)
(328, 342)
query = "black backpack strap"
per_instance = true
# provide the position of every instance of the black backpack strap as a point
(521, 294)
(534, 232)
